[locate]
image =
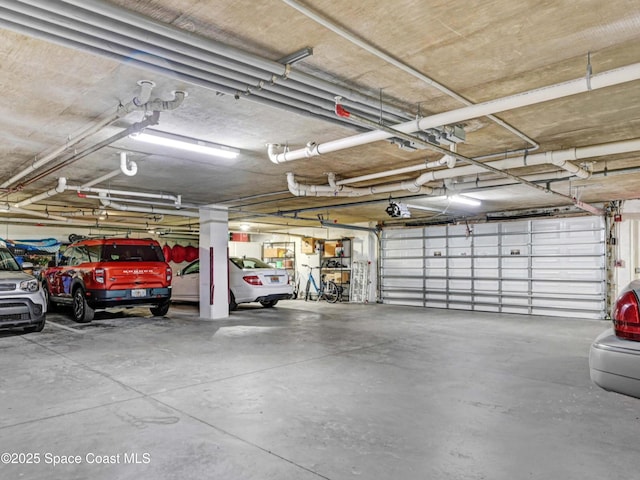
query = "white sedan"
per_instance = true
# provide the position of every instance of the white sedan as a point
(250, 280)
(614, 358)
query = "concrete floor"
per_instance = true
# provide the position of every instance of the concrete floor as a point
(312, 391)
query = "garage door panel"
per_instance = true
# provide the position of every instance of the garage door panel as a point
(545, 267)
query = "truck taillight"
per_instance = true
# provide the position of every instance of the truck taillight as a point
(169, 274)
(626, 316)
(99, 275)
(252, 280)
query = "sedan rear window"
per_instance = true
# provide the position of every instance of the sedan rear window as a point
(250, 263)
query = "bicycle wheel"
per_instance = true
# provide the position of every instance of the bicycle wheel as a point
(331, 292)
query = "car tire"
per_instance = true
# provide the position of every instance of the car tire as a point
(51, 306)
(35, 328)
(232, 302)
(82, 312)
(161, 309)
(269, 303)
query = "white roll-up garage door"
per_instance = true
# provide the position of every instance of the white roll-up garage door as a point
(536, 267)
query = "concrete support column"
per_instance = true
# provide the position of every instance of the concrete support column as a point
(214, 279)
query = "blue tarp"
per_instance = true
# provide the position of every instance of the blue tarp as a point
(48, 245)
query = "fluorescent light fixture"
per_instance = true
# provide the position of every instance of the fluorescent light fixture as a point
(245, 227)
(465, 200)
(420, 207)
(171, 140)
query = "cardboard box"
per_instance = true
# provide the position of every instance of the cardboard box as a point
(338, 277)
(330, 248)
(270, 252)
(308, 245)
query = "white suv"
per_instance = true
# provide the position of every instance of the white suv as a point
(22, 302)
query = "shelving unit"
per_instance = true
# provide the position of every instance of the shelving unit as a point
(335, 263)
(280, 255)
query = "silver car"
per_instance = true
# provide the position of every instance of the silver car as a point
(22, 303)
(614, 358)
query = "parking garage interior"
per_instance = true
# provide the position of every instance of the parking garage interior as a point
(465, 175)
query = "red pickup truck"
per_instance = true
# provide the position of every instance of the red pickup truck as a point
(98, 273)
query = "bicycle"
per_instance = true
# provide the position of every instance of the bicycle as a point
(328, 290)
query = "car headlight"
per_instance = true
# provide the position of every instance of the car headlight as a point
(29, 285)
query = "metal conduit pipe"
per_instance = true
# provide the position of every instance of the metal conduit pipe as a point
(265, 79)
(126, 208)
(59, 188)
(136, 127)
(115, 33)
(134, 105)
(131, 200)
(87, 132)
(398, 64)
(221, 80)
(35, 213)
(256, 96)
(601, 80)
(177, 199)
(53, 220)
(302, 80)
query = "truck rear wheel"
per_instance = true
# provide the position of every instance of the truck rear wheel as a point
(82, 312)
(161, 309)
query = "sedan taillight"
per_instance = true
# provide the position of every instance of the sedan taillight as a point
(252, 280)
(626, 316)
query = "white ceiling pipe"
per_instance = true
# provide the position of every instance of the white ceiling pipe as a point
(59, 188)
(121, 111)
(559, 158)
(91, 224)
(127, 208)
(444, 160)
(601, 80)
(159, 196)
(398, 64)
(101, 179)
(556, 157)
(131, 200)
(35, 213)
(128, 167)
(472, 184)
(304, 190)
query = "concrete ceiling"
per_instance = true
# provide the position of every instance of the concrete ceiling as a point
(68, 65)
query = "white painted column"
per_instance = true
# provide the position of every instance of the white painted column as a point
(214, 280)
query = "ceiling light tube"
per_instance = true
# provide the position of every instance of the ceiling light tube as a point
(465, 200)
(171, 140)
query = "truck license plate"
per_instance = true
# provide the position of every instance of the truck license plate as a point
(139, 292)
